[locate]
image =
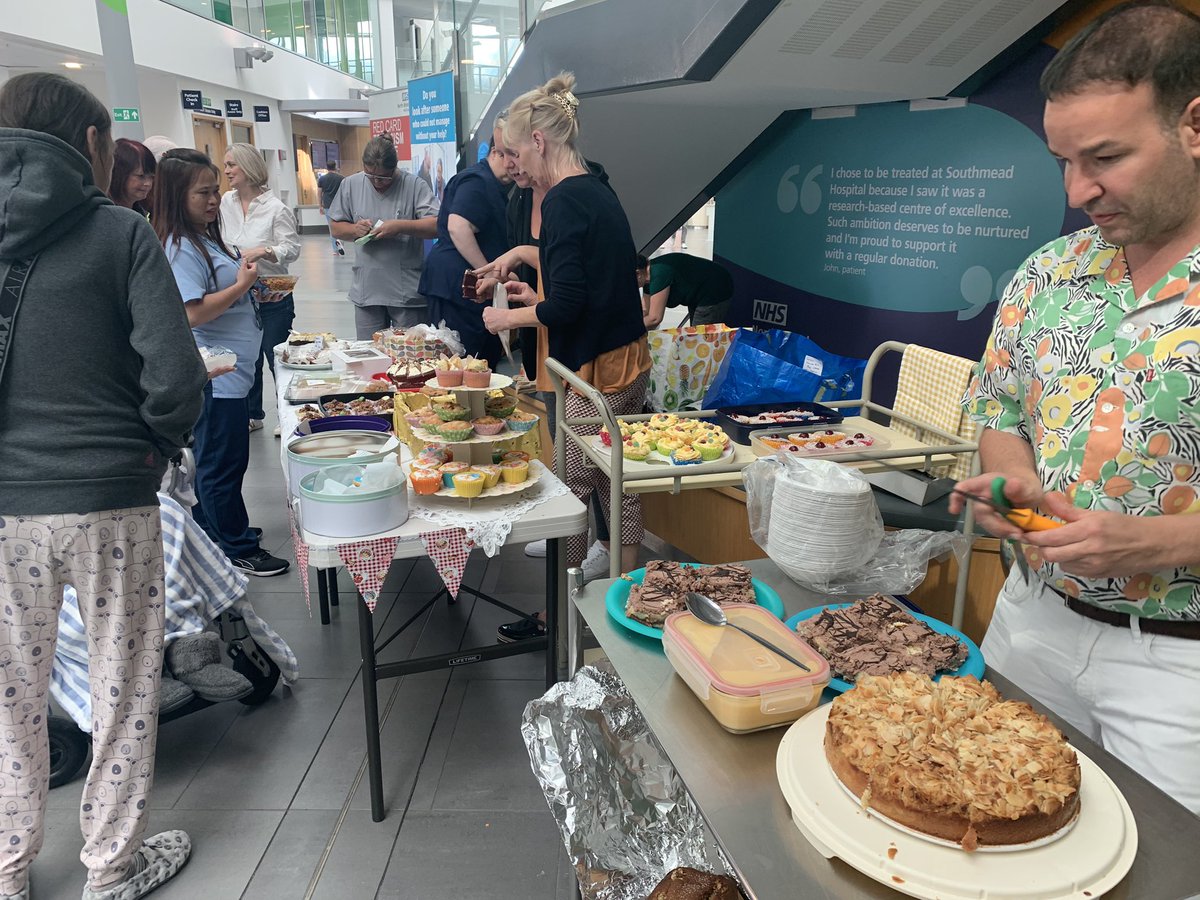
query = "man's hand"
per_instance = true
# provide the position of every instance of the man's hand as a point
(254, 254)
(1020, 491)
(363, 227)
(1101, 544)
(389, 229)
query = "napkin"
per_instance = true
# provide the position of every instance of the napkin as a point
(500, 301)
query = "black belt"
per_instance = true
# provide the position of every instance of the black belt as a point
(1170, 627)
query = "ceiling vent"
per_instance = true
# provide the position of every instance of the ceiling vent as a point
(824, 21)
(983, 29)
(884, 22)
(935, 26)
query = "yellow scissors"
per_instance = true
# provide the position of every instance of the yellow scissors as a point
(1025, 519)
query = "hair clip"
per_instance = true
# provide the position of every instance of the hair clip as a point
(567, 101)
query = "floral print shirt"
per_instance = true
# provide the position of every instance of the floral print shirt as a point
(1105, 386)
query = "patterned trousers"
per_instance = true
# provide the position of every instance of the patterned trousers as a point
(114, 560)
(583, 479)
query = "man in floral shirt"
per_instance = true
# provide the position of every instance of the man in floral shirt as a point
(1089, 391)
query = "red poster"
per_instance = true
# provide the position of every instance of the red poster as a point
(397, 127)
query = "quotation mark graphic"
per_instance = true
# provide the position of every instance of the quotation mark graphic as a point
(808, 196)
(978, 289)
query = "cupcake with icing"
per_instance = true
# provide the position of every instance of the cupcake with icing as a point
(514, 455)
(426, 481)
(663, 421)
(514, 471)
(490, 473)
(708, 448)
(686, 456)
(636, 451)
(668, 445)
(468, 484)
(449, 470)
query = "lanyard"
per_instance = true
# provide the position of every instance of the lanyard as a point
(11, 292)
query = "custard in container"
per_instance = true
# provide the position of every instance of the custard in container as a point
(745, 686)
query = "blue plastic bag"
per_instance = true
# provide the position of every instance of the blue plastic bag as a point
(782, 367)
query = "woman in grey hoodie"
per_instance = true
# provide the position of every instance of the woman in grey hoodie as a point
(100, 384)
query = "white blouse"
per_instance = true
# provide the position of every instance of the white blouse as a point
(267, 223)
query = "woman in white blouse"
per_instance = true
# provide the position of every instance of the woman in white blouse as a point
(255, 222)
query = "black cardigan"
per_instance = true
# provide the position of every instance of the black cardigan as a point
(589, 265)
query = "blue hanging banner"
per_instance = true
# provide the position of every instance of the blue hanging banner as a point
(434, 136)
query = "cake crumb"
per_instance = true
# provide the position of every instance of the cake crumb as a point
(897, 879)
(892, 851)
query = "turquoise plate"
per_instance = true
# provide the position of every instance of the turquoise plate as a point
(972, 665)
(618, 594)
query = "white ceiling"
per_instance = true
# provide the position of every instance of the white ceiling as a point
(663, 146)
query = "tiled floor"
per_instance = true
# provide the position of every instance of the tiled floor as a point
(275, 797)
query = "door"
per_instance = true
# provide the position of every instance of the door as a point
(211, 141)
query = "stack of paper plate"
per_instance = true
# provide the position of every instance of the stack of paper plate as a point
(819, 532)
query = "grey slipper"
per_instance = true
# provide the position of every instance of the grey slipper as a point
(156, 862)
(172, 695)
(196, 661)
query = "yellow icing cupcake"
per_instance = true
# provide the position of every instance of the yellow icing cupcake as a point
(490, 473)
(686, 456)
(668, 444)
(662, 421)
(708, 448)
(636, 450)
(468, 484)
(515, 471)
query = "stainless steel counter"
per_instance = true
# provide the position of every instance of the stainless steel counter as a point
(732, 778)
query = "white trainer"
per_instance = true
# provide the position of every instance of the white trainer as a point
(595, 564)
(536, 549)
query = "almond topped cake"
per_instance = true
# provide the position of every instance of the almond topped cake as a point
(952, 759)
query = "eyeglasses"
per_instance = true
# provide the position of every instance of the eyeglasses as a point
(380, 179)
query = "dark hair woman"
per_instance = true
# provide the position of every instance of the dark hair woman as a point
(79, 475)
(216, 289)
(132, 176)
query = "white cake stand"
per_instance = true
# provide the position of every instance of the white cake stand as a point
(1089, 859)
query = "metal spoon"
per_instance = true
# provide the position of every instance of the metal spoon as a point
(707, 610)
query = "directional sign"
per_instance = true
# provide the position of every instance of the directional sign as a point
(233, 109)
(192, 99)
(126, 114)
(262, 114)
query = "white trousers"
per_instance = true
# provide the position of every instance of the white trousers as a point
(1136, 694)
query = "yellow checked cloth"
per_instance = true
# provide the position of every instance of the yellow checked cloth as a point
(930, 389)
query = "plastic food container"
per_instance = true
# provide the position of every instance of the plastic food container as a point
(309, 454)
(744, 685)
(352, 515)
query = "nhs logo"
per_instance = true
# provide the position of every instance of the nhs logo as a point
(767, 312)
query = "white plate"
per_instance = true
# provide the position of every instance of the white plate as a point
(1089, 859)
(498, 382)
(536, 471)
(314, 367)
(660, 461)
(430, 438)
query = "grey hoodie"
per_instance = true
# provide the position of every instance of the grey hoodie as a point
(103, 382)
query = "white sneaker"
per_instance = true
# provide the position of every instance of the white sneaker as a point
(536, 549)
(595, 564)
(256, 425)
